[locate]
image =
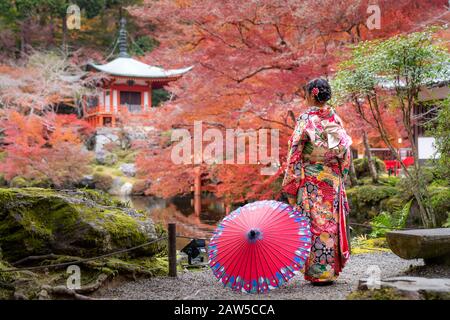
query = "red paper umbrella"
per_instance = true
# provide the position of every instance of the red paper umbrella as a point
(260, 246)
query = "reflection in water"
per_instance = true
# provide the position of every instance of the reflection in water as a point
(181, 210)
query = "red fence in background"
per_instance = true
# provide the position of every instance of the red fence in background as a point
(394, 166)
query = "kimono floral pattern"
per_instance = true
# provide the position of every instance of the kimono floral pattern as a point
(317, 164)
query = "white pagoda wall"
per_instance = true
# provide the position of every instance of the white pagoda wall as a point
(146, 104)
(115, 100)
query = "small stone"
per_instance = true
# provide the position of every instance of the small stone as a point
(43, 295)
(19, 296)
(128, 169)
(106, 158)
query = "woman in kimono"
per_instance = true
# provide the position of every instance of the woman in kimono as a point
(317, 165)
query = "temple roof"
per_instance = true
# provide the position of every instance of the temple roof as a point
(129, 67)
(125, 66)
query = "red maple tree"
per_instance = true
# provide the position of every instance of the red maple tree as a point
(46, 151)
(250, 60)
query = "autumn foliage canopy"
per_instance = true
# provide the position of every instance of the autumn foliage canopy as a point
(250, 58)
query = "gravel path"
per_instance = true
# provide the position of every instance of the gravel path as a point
(203, 285)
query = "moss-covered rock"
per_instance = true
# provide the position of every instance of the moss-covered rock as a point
(366, 201)
(36, 221)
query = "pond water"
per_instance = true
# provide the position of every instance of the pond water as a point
(180, 210)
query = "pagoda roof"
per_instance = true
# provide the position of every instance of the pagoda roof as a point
(131, 68)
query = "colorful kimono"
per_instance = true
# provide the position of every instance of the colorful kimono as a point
(317, 165)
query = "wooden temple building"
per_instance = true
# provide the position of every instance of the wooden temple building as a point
(126, 94)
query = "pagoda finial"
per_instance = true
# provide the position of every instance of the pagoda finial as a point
(123, 41)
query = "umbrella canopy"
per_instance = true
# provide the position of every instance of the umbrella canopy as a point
(260, 246)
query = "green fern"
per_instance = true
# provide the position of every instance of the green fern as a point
(447, 223)
(386, 221)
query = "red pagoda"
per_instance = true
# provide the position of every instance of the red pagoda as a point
(127, 92)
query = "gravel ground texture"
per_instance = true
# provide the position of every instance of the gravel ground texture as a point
(203, 285)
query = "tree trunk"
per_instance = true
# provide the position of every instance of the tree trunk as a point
(370, 160)
(419, 187)
(64, 34)
(52, 31)
(414, 176)
(23, 40)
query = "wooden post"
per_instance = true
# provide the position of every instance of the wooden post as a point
(172, 250)
(197, 191)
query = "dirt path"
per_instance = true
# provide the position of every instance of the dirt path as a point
(203, 285)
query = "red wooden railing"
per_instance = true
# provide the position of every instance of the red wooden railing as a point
(94, 115)
(395, 166)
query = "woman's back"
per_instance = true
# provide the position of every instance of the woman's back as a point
(326, 141)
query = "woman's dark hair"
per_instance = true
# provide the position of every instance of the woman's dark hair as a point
(324, 93)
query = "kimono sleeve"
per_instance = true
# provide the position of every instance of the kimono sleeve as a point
(294, 172)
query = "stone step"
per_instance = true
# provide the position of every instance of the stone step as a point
(407, 287)
(432, 245)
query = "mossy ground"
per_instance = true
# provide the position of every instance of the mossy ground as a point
(28, 284)
(123, 156)
(362, 245)
(112, 171)
(379, 294)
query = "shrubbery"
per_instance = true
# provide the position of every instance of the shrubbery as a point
(365, 201)
(21, 182)
(102, 181)
(34, 155)
(362, 167)
(440, 202)
(387, 221)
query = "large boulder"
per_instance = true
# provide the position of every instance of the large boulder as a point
(103, 138)
(36, 221)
